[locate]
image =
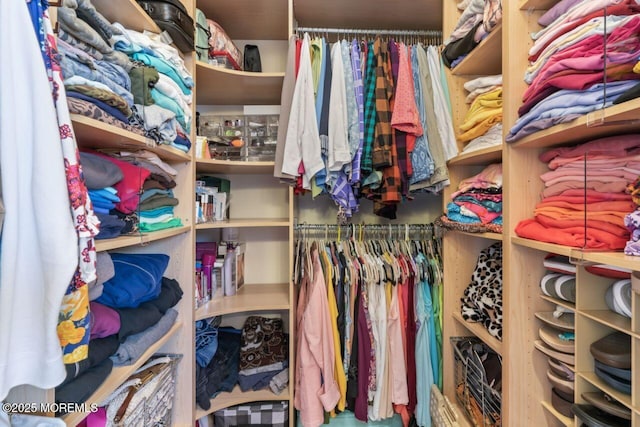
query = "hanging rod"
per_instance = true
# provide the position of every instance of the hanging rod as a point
(426, 33)
(398, 231)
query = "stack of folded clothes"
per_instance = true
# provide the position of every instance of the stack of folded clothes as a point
(122, 77)
(584, 201)
(478, 19)
(115, 182)
(131, 309)
(482, 125)
(567, 61)
(477, 204)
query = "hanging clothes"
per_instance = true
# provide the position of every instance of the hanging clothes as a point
(39, 251)
(359, 145)
(372, 309)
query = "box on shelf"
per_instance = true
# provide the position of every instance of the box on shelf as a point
(212, 199)
(243, 137)
(275, 414)
(233, 266)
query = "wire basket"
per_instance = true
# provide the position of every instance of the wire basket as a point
(478, 378)
(146, 403)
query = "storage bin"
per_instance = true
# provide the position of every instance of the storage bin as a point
(478, 379)
(265, 414)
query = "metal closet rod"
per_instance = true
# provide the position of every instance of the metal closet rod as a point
(427, 33)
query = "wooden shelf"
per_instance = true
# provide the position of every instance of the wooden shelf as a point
(560, 302)
(139, 239)
(237, 397)
(128, 13)
(245, 223)
(537, 4)
(625, 399)
(251, 297)
(617, 259)
(543, 246)
(487, 235)
(610, 319)
(479, 331)
(566, 421)
(231, 167)
(249, 19)
(220, 86)
(405, 15)
(484, 59)
(117, 376)
(617, 119)
(483, 156)
(92, 133)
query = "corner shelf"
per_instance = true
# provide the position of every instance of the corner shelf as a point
(485, 58)
(617, 119)
(487, 235)
(479, 331)
(544, 246)
(230, 167)
(250, 297)
(560, 302)
(118, 375)
(478, 157)
(237, 397)
(245, 223)
(139, 239)
(231, 87)
(128, 13)
(92, 133)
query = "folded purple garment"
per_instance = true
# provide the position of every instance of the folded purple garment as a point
(105, 321)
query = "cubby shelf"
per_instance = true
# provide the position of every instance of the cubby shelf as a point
(478, 157)
(230, 167)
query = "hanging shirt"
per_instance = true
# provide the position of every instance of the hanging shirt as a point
(303, 141)
(359, 93)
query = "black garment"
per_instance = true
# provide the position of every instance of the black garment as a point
(100, 349)
(460, 47)
(352, 374)
(135, 320)
(223, 370)
(79, 390)
(628, 95)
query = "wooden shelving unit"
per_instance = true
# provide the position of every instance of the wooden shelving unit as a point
(479, 331)
(478, 157)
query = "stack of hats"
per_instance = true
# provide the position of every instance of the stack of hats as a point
(612, 360)
(557, 342)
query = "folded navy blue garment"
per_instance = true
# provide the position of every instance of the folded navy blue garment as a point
(110, 226)
(103, 106)
(182, 141)
(137, 279)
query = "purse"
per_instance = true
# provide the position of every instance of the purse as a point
(146, 398)
(252, 58)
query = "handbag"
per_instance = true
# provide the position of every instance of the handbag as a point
(252, 58)
(443, 414)
(146, 397)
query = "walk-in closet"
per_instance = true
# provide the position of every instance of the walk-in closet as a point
(222, 213)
